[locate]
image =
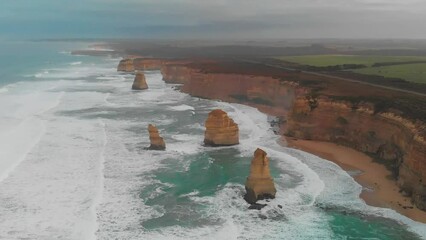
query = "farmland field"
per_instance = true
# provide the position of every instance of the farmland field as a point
(332, 60)
(409, 72)
(406, 67)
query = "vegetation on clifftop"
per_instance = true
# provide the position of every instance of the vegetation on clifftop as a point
(411, 107)
(257, 100)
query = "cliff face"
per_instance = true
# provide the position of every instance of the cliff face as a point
(262, 92)
(142, 64)
(259, 184)
(220, 129)
(126, 65)
(147, 64)
(139, 83)
(395, 141)
(173, 73)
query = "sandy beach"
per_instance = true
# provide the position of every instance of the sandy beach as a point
(379, 189)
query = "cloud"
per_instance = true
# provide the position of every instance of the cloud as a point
(219, 18)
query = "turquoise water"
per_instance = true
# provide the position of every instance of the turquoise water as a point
(73, 163)
(19, 59)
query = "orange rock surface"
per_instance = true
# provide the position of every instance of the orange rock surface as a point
(221, 130)
(139, 83)
(147, 63)
(398, 142)
(259, 184)
(126, 65)
(157, 142)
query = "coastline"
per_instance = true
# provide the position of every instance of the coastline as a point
(378, 189)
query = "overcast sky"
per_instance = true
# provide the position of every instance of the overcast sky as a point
(213, 19)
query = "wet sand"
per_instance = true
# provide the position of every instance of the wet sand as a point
(379, 189)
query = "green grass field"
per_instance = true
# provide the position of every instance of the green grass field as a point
(409, 72)
(414, 72)
(332, 60)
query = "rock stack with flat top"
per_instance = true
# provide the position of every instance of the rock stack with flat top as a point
(126, 65)
(139, 83)
(157, 142)
(221, 130)
(259, 184)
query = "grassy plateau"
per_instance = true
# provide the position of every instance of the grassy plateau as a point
(409, 68)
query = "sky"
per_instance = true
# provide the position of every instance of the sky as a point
(217, 19)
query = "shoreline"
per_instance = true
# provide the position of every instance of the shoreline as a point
(378, 189)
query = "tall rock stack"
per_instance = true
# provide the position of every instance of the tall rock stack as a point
(220, 129)
(126, 65)
(259, 184)
(157, 142)
(139, 83)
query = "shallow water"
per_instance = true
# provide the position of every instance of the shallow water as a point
(73, 166)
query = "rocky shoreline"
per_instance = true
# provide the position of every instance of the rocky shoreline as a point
(310, 111)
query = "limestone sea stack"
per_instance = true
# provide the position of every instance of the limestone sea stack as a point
(139, 83)
(220, 129)
(157, 142)
(126, 65)
(259, 184)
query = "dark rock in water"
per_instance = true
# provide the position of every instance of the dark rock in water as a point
(280, 206)
(257, 206)
(276, 123)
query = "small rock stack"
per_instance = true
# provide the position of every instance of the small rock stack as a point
(259, 184)
(139, 83)
(157, 142)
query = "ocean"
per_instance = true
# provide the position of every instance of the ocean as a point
(73, 163)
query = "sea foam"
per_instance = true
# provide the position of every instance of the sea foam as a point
(85, 173)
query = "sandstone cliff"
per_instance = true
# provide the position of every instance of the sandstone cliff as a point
(259, 184)
(139, 83)
(221, 130)
(157, 142)
(397, 142)
(142, 64)
(148, 64)
(263, 92)
(310, 112)
(126, 65)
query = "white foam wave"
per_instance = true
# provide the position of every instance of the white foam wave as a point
(98, 198)
(75, 72)
(51, 165)
(182, 107)
(91, 172)
(20, 125)
(16, 144)
(101, 49)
